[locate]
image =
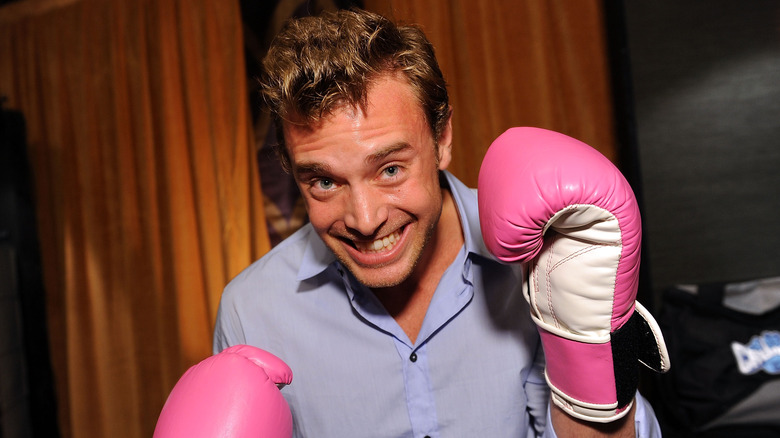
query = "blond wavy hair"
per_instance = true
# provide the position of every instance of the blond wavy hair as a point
(317, 64)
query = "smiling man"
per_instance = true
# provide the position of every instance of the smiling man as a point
(392, 314)
(370, 178)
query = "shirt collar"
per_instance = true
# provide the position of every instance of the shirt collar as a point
(318, 257)
(468, 209)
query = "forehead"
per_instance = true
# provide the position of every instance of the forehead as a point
(391, 115)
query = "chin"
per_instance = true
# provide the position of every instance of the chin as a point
(378, 278)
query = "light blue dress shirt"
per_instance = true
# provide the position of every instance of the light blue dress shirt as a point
(476, 368)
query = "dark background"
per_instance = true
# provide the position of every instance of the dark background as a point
(702, 121)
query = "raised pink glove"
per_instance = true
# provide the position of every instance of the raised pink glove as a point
(565, 211)
(232, 394)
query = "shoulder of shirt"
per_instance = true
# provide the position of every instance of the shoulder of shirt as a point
(281, 266)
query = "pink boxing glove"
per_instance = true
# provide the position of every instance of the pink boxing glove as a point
(232, 394)
(565, 211)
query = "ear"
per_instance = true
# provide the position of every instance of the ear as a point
(445, 143)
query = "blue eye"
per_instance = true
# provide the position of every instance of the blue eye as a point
(392, 171)
(325, 184)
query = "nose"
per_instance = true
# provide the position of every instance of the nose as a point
(366, 211)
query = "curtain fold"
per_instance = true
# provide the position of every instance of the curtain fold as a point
(146, 186)
(517, 63)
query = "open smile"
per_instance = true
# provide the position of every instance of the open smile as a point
(378, 251)
(384, 244)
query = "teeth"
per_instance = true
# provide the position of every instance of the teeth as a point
(385, 243)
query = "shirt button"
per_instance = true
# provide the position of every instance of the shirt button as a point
(413, 358)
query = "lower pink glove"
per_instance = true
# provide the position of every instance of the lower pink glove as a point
(232, 394)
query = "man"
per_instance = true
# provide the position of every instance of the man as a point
(393, 316)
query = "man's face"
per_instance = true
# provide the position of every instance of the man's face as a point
(369, 178)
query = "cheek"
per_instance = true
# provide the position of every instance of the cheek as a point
(421, 200)
(321, 214)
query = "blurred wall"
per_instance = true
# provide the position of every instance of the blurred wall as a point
(706, 89)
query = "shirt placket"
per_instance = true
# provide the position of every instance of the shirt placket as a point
(419, 391)
(418, 382)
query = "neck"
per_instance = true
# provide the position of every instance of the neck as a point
(408, 302)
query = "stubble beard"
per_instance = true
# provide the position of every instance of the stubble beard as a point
(417, 255)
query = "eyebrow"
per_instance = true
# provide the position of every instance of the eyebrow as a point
(386, 152)
(303, 170)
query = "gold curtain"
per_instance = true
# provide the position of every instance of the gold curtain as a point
(147, 191)
(517, 63)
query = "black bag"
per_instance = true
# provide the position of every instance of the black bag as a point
(724, 377)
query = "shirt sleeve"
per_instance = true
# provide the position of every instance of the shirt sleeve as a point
(226, 328)
(538, 396)
(645, 422)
